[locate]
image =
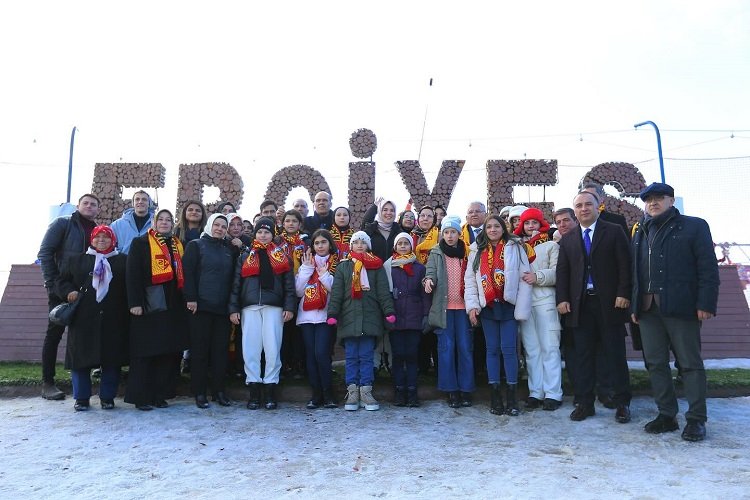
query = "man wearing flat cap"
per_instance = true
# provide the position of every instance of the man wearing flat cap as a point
(675, 288)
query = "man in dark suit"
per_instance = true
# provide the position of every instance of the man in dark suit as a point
(598, 190)
(593, 290)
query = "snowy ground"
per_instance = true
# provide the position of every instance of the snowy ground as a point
(49, 451)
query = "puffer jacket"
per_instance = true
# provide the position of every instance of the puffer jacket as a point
(544, 266)
(364, 316)
(65, 238)
(126, 230)
(410, 301)
(208, 267)
(248, 292)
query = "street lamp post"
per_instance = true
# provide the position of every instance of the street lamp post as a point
(658, 144)
(70, 163)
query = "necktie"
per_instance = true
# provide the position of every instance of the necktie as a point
(587, 240)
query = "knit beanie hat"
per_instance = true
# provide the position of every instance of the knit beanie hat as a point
(504, 212)
(516, 211)
(361, 235)
(402, 236)
(451, 221)
(532, 214)
(266, 223)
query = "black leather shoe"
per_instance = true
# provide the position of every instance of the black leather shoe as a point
(550, 404)
(581, 412)
(695, 430)
(660, 424)
(222, 399)
(107, 404)
(532, 403)
(453, 400)
(465, 399)
(201, 402)
(81, 405)
(607, 402)
(161, 404)
(622, 415)
(270, 393)
(144, 407)
(329, 400)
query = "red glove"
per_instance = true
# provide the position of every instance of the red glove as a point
(390, 318)
(332, 321)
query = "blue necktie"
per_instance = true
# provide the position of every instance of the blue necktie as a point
(587, 244)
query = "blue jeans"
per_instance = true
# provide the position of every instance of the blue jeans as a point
(405, 350)
(455, 353)
(360, 367)
(107, 386)
(317, 338)
(501, 338)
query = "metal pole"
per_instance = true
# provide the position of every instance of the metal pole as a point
(658, 144)
(70, 162)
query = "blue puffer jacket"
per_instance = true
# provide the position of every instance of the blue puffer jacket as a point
(126, 230)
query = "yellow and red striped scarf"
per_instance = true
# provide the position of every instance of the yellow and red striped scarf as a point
(342, 240)
(366, 260)
(422, 250)
(316, 295)
(162, 270)
(276, 256)
(294, 247)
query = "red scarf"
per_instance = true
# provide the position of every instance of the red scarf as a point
(342, 241)
(294, 247)
(360, 260)
(538, 239)
(161, 263)
(492, 272)
(405, 262)
(316, 295)
(276, 256)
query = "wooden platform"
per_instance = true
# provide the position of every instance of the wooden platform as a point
(23, 319)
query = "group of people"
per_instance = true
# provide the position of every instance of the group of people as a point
(277, 292)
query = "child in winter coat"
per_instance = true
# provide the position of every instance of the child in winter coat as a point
(412, 305)
(444, 279)
(359, 302)
(313, 283)
(541, 332)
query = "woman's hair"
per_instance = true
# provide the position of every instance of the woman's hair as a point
(325, 233)
(483, 241)
(182, 223)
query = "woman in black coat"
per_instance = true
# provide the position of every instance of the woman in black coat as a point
(380, 225)
(209, 265)
(158, 331)
(97, 335)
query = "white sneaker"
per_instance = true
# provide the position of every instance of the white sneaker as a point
(366, 400)
(352, 398)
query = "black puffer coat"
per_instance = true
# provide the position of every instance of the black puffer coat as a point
(208, 265)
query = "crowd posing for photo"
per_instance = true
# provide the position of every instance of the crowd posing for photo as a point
(479, 300)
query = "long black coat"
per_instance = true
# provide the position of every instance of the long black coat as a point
(98, 334)
(156, 333)
(610, 261)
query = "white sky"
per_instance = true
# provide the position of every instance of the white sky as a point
(264, 85)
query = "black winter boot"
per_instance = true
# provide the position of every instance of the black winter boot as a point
(253, 402)
(513, 410)
(496, 400)
(399, 398)
(270, 390)
(412, 400)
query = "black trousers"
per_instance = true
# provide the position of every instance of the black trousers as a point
(590, 336)
(51, 342)
(209, 347)
(151, 379)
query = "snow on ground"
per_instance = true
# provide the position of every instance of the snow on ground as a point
(709, 364)
(49, 451)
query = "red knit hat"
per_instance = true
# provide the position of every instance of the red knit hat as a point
(106, 230)
(532, 214)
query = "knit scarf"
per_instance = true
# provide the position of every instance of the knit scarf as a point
(538, 239)
(422, 250)
(405, 262)
(316, 295)
(362, 263)
(276, 257)
(102, 274)
(162, 269)
(492, 272)
(294, 247)
(342, 236)
(459, 251)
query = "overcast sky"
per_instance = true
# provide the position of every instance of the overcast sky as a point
(263, 85)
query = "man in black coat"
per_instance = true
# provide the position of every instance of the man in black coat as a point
(66, 236)
(676, 286)
(322, 217)
(593, 290)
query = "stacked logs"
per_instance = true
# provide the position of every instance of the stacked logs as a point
(111, 178)
(361, 189)
(363, 143)
(627, 179)
(503, 175)
(293, 176)
(194, 176)
(415, 182)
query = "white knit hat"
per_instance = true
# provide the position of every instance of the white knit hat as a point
(402, 236)
(361, 235)
(516, 211)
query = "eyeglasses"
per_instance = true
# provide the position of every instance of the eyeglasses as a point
(474, 212)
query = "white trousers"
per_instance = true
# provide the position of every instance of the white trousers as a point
(541, 340)
(262, 328)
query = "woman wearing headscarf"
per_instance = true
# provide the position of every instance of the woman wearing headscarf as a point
(208, 267)
(341, 231)
(97, 336)
(263, 298)
(383, 229)
(425, 234)
(158, 323)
